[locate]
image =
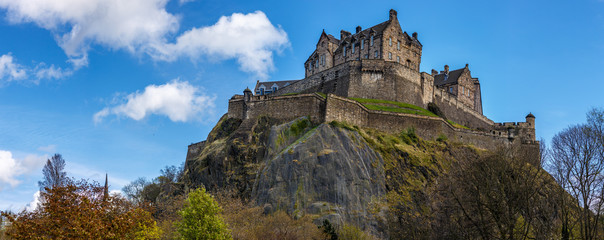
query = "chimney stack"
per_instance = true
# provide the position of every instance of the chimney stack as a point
(344, 34)
(392, 14)
(359, 29)
(414, 35)
(446, 69)
(434, 72)
(466, 65)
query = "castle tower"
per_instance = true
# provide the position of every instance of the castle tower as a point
(530, 119)
(247, 94)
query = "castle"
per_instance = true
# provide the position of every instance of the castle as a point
(382, 63)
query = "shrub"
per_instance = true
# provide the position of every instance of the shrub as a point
(201, 218)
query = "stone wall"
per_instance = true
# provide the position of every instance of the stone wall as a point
(336, 108)
(459, 112)
(284, 108)
(429, 128)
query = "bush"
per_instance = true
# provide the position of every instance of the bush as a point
(201, 218)
(442, 138)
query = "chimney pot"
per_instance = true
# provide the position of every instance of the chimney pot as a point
(359, 29)
(447, 69)
(414, 35)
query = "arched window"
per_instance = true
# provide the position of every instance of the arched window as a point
(371, 42)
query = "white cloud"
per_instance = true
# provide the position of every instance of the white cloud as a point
(177, 100)
(31, 206)
(10, 71)
(249, 38)
(51, 72)
(11, 169)
(144, 26)
(77, 24)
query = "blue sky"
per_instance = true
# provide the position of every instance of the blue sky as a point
(123, 88)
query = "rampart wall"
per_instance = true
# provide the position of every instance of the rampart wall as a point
(336, 108)
(284, 108)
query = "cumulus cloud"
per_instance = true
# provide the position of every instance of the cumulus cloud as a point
(144, 26)
(77, 24)
(31, 206)
(249, 38)
(11, 168)
(9, 70)
(179, 101)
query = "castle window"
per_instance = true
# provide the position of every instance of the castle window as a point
(371, 41)
(398, 59)
(463, 90)
(389, 55)
(376, 53)
(274, 89)
(366, 56)
(362, 44)
(352, 49)
(398, 45)
(344, 51)
(390, 41)
(261, 91)
(317, 63)
(451, 89)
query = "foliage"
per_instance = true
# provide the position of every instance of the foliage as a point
(442, 138)
(201, 218)
(322, 94)
(351, 232)
(54, 173)
(392, 106)
(329, 230)
(253, 223)
(79, 211)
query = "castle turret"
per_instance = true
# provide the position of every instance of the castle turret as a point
(530, 119)
(247, 94)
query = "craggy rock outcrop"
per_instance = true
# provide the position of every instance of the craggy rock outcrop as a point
(323, 170)
(380, 182)
(327, 171)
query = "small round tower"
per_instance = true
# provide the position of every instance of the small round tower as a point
(247, 94)
(530, 119)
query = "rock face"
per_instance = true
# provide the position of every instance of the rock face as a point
(327, 171)
(323, 170)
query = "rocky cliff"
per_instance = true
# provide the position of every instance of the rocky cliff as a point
(328, 171)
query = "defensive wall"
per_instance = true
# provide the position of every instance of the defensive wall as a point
(336, 108)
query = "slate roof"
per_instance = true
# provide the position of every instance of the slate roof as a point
(269, 84)
(452, 78)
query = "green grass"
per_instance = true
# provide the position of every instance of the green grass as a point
(457, 125)
(400, 107)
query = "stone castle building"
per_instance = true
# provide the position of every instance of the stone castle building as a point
(381, 62)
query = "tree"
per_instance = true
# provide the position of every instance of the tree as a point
(578, 164)
(201, 218)
(54, 173)
(498, 195)
(79, 211)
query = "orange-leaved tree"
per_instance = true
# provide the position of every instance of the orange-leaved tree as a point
(79, 210)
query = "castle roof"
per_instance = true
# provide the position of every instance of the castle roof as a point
(451, 78)
(269, 84)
